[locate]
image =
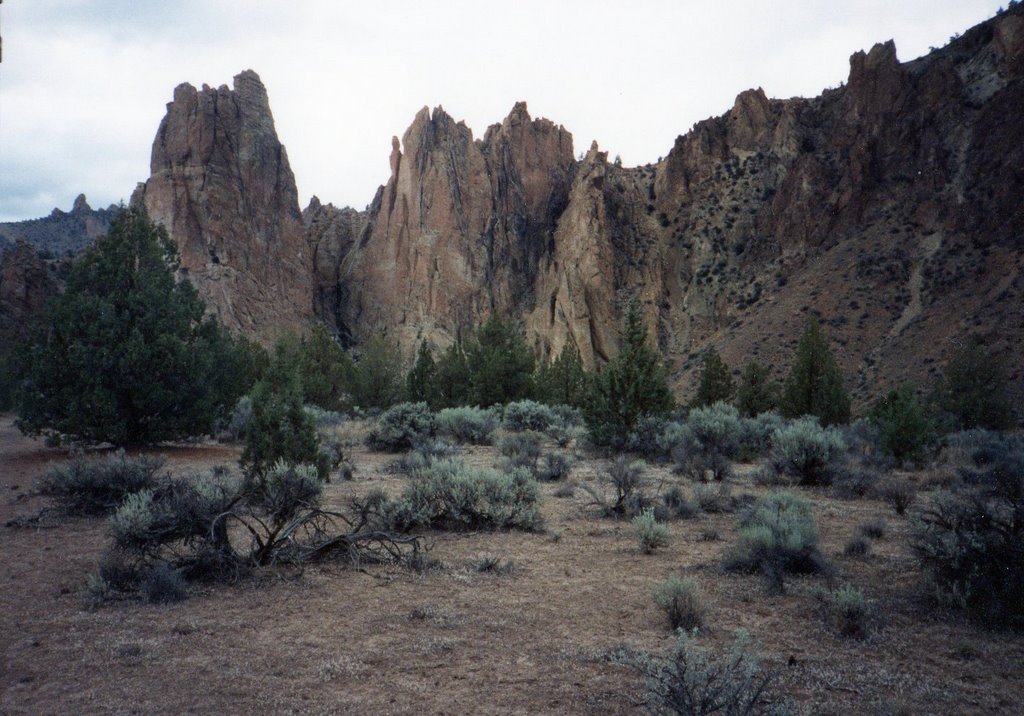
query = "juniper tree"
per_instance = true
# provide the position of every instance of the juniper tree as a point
(716, 382)
(421, 384)
(973, 390)
(756, 393)
(563, 381)
(500, 363)
(125, 354)
(815, 383)
(634, 384)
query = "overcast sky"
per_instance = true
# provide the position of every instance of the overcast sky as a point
(84, 83)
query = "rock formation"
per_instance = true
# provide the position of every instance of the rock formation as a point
(460, 228)
(61, 232)
(26, 282)
(221, 184)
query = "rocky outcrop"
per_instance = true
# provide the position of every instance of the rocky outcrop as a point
(221, 184)
(61, 232)
(889, 207)
(26, 282)
(460, 228)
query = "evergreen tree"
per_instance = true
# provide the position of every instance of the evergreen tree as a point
(125, 355)
(563, 381)
(453, 387)
(280, 428)
(379, 376)
(756, 393)
(631, 386)
(901, 421)
(325, 370)
(716, 382)
(421, 385)
(973, 391)
(500, 364)
(815, 384)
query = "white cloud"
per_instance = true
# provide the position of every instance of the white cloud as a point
(84, 82)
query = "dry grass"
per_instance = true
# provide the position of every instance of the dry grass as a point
(456, 640)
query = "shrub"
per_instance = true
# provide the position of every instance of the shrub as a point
(859, 546)
(528, 415)
(805, 450)
(451, 495)
(626, 480)
(677, 504)
(97, 486)
(873, 529)
(323, 418)
(757, 434)
(973, 390)
(695, 680)
(682, 602)
(521, 449)
(238, 423)
(401, 426)
(778, 535)
(646, 437)
(714, 500)
(280, 428)
(468, 425)
(650, 534)
(850, 612)
(162, 584)
(971, 545)
(500, 363)
(554, 467)
(900, 493)
(718, 428)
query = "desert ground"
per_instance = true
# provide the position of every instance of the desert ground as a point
(381, 639)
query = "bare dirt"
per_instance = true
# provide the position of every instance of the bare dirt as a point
(383, 640)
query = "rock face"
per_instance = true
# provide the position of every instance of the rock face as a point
(221, 184)
(26, 282)
(61, 232)
(459, 230)
(889, 207)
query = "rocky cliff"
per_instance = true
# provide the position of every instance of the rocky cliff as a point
(221, 183)
(60, 233)
(889, 207)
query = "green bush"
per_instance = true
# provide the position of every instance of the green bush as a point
(778, 535)
(451, 495)
(694, 680)
(563, 381)
(898, 492)
(626, 481)
(555, 466)
(238, 423)
(163, 584)
(468, 425)
(97, 486)
(973, 391)
(971, 544)
(757, 434)
(904, 429)
(682, 602)
(650, 534)
(528, 415)
(805, 450)
(521, 449)
(280, 428)
(850, 612)
(401, 426)
(676, 503)
(500, 363)
(647, 436)
(714, 500)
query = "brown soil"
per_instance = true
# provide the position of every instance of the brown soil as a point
(383, 640)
